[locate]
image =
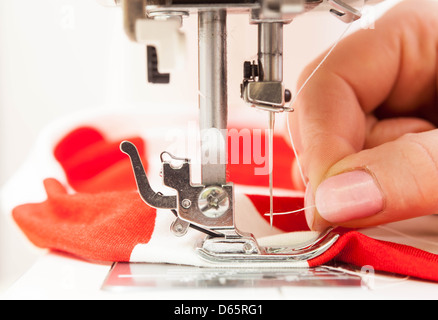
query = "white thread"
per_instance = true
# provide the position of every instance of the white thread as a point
(407, 235)
(289, 212)
(293, 101)
(368, 277)
(320, 64)
(298, 93)
(295, 151)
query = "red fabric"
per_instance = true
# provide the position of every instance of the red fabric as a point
(101, 226)
(356, 248)
(105, 218)
(286, 223)
(93, 164)
(243, 173)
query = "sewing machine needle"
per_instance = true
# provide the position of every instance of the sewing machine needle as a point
(271, 165)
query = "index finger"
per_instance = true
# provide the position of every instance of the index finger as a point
(393, 65)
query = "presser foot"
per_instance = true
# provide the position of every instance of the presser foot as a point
(246, 250)
(210, 209)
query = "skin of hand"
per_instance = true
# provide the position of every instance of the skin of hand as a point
(365, 124)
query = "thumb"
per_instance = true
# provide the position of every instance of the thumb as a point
(395, 181)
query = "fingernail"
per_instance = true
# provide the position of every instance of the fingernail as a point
(348, 196)
(309, 204)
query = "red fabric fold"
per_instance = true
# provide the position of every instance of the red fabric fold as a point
(94, 164)
(356, 248)
(105, 218)
(103, 226)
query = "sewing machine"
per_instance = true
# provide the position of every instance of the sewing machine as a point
(56, 275)
(209, 207)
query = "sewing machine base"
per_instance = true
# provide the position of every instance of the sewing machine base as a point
(146, 276)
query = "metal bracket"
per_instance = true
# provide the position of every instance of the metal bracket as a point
(154, 199)
(343, 11)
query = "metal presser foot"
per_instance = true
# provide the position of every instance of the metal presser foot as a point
(210, 209)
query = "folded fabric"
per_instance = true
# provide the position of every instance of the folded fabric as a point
(95, 212)
(93, 164)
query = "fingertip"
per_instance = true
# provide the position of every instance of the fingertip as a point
(309, 204)
(313, 219)
(380, 185)
(349, 196)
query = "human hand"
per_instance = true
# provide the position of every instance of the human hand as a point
(365, 124)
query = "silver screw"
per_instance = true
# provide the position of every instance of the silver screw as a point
(213, 201)
(186, 203)
(248, 247)
(179, 227)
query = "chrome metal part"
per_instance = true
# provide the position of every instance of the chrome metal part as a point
(207, 207)
(154, 199)
(266, 93)
(260, 10)
(210, 209)
(213, 111)
(344, 11)
(165, 14)
(216, 212)
(246, 250)
(179, 227)
(262, 86)
(132, 277)
(213, 201)
(270, 51)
